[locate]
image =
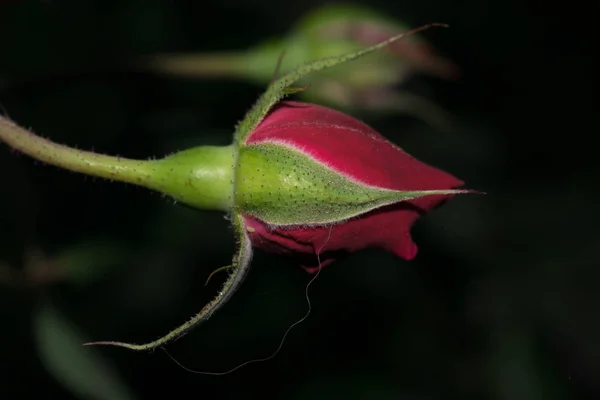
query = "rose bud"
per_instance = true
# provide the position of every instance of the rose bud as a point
(311, 178)
(298, 179)
(370, 85)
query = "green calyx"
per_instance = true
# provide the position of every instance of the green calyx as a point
(283, 186)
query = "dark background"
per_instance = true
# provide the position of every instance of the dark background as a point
(501, 301)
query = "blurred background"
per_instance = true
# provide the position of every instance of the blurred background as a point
(500, 303)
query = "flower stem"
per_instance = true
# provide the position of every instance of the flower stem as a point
(122, 169)
(200, 177)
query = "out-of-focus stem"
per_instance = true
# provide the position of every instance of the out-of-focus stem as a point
(196, 65)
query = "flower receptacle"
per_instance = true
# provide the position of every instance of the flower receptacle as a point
(201, 177)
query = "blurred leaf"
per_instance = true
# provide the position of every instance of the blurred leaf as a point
(76, 367)
(88, 261)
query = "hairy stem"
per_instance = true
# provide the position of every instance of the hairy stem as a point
(201, 177)
(138, 172)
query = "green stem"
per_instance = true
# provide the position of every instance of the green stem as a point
(122, 169)
(200, 177)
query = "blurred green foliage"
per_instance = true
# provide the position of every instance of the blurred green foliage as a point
(369, 85)
(501, 301)
(78, 368)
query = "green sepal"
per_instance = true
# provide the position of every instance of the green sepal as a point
(239, 269)
(277, 89)
(283, 186)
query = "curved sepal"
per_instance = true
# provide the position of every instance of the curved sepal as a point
(279, 88)
(239, 269)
